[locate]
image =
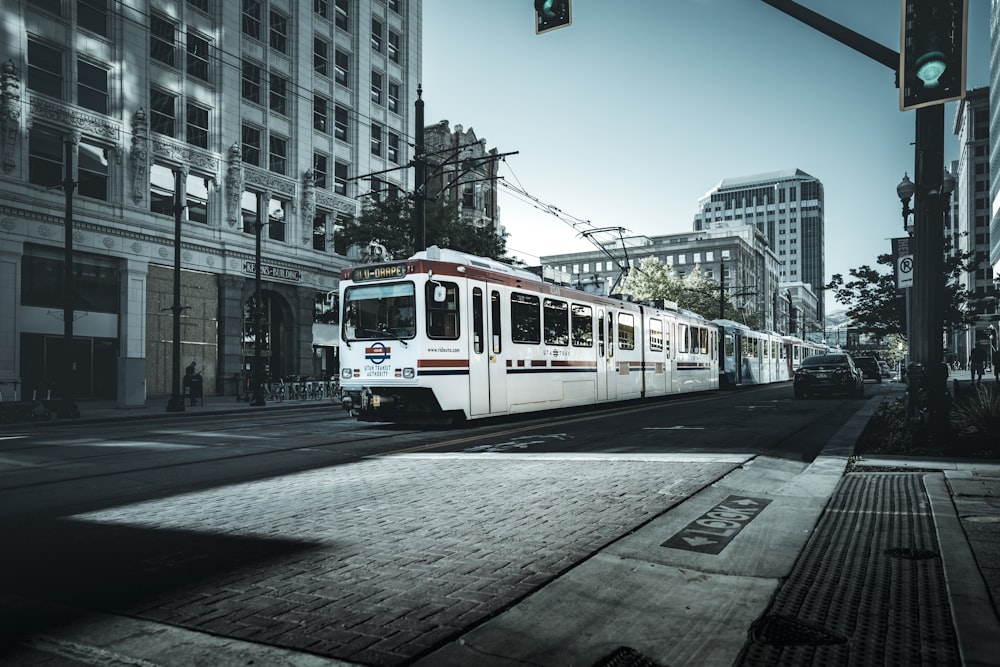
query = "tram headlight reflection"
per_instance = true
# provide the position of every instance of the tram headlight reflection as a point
(346, 373)
(409, 373)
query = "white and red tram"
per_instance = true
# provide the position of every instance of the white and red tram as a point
(445, 335)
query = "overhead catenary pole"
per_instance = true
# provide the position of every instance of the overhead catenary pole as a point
(66, 385)
(419, 177)
(176, 402)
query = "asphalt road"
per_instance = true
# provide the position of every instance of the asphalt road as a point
(324, 538)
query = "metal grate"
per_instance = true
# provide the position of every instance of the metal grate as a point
(867, 589)
(623, 656)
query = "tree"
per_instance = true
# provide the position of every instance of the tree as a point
(695, 291)
(390, 222)
(877, 308)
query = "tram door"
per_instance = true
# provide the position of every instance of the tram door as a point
(487, 371)
(607, 364)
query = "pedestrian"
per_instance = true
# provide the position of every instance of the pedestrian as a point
(977, 359)
(996, 366)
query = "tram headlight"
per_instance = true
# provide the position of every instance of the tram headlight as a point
(346, 373)
(409, 373)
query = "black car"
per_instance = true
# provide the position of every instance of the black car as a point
(869, 367)
(833, 373)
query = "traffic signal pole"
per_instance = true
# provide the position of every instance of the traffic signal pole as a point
(930, 72)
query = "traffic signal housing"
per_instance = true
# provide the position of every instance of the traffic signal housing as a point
(552, 14)
(932, 52)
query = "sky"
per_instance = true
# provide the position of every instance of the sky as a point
(630, 115)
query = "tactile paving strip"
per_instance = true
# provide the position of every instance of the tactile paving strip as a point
(868, 588)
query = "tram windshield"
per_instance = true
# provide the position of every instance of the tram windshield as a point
(372, 312)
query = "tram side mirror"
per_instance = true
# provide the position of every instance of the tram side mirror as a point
(440, 294)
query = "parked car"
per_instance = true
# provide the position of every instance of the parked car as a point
(869, 367)
(833, 373)
(886, 371)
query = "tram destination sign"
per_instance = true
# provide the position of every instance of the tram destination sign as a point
(380, 272)
(272, 272)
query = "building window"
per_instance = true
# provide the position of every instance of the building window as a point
(196, 193)
(251, 145)
(321, 56)
(162, 40)
(340, 123)
(277, 154)
(342, 20)
(197, 126)
(320, 231)
(321, 166)
(162, 113)
(279, 32)
(393, 97)
(342, 65)
(92, 87)
(251, 82)
(340, 171)
(395, 53)
(251, 18)
(276, 217)
(50, 6)
(92, 177)
(279, 94)
(197, 57)
(394, 5)
(161, 190)
(199, 4)
(376, 140)
(92, 15)
(249, 202)
(376, 87)
(321, 8)
(45, 69)
(393, 147)
(377, 35)
(321, 111)
(45, 157)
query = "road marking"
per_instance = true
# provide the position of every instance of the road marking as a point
(715, 529)
(673, 428)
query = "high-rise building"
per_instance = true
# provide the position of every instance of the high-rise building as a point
(787, 208)
(972, 215)
(258, 118)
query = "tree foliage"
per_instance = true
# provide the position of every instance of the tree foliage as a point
(877, 308)
(389, 221)
(695, 291)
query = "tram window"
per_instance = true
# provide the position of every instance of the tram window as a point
(495, 316)
(666, 341)
(611, 336)
(442, 317)
(477, 320)
(700, 335)
(555, 317)
(730, 345)
(656, 335)
(525, 322)
(626, 331)
(375, 311)
(683, 342)
(582, 326)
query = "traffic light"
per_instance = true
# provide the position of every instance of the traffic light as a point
(932, 52)
(552, 14)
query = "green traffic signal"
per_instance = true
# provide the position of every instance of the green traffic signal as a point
(552, 14)
(932, 52)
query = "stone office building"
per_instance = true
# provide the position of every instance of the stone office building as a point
(267, 114)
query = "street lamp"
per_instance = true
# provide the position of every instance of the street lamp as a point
(905, 191)
(258, 376)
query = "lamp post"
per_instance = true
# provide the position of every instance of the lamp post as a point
(258, 377)
(176, 402)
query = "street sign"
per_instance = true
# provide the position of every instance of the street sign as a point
(904, 271)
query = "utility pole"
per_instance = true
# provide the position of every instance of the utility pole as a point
(722, 289)
(69, 370)
(420, 176)
(176, 402)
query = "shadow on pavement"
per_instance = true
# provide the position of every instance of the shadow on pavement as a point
(53, 570)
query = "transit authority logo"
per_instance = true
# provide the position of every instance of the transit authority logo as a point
(377, 353)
